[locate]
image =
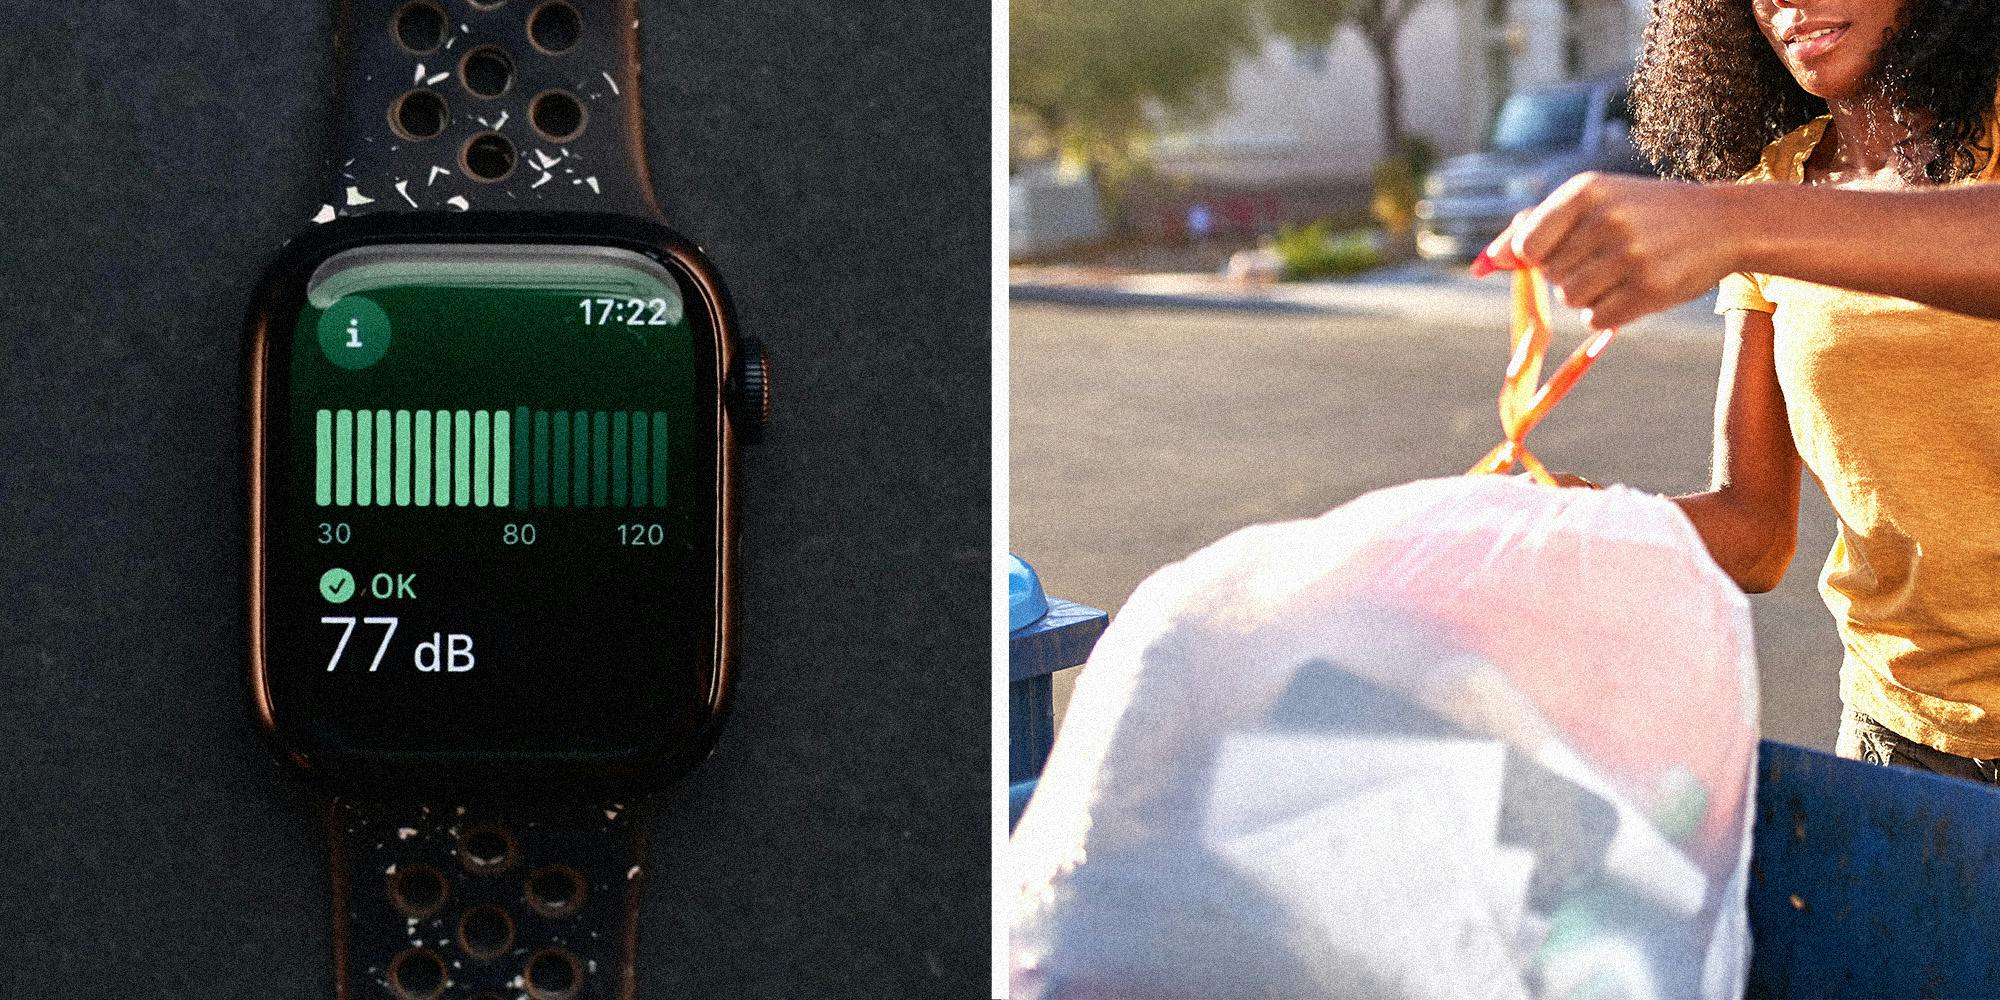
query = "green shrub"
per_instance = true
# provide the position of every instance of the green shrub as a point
(1422, 153)
(1399, 182)
(1315, 250)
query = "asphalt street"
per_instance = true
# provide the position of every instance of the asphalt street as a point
(1140, 434)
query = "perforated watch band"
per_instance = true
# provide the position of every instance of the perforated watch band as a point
(496, 105)
(483, 900)
(513, 105)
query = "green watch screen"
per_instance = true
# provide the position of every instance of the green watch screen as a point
(490, 504)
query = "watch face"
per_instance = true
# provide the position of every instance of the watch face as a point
(490, 491)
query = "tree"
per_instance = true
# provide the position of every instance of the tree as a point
(1380, 24)
(1087, 77)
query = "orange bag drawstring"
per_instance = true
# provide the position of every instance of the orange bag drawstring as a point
(1522, 403)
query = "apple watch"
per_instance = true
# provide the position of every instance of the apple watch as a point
(494, 405)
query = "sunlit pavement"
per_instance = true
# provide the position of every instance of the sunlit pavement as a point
(1140, 434)
(1428, 293)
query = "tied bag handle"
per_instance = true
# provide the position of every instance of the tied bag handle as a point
(1522, 403)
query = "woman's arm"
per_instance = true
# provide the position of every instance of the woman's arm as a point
(1749, 516)
(1622, 247)
(1929, 246)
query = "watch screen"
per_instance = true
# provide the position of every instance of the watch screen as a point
(490, 498)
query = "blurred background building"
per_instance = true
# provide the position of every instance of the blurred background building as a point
(1300, 113)
(1297, 133)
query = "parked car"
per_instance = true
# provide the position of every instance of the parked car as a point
(1542, 137)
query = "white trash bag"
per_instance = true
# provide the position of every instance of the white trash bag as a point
(1460, 739)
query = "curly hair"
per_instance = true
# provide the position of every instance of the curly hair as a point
(1709, 93)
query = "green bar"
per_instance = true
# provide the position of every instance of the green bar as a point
(579, 438)
(402, 458)
(621, 447)
(323, 458)
(521, 464)
(482, 458)
(503, 458)
(559, 459)
(600, 459)
(364, 459)
(441, 459)
(422, 497)
(659, 469)
(541, 458)
(343, 458)
(383, 464)
(638, 460)
(461, 449)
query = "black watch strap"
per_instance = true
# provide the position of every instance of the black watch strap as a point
(485, 899)
(514, 105)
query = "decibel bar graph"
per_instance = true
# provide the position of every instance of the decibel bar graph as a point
(517, 458)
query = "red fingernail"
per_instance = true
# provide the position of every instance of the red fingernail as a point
(1482, 265)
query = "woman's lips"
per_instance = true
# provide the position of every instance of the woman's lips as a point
(1816, 43)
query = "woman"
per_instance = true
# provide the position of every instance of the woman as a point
(1862, 296)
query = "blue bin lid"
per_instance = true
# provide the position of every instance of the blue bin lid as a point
(1026, 603)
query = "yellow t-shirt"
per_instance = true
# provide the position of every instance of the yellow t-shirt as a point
(1895, 407)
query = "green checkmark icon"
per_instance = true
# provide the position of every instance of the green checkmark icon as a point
(336, 585)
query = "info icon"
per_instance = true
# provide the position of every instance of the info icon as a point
(354, 332)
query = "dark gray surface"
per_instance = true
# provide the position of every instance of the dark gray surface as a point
(832, 158)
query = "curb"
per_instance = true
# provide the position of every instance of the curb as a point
(1689, 320)
(1075, 295)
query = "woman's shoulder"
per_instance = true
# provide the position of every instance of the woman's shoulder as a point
(1784, 158)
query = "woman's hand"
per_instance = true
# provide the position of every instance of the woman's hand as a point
(1619, 247)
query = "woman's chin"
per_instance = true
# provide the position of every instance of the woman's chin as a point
(1832, 79)
(1830, 85)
